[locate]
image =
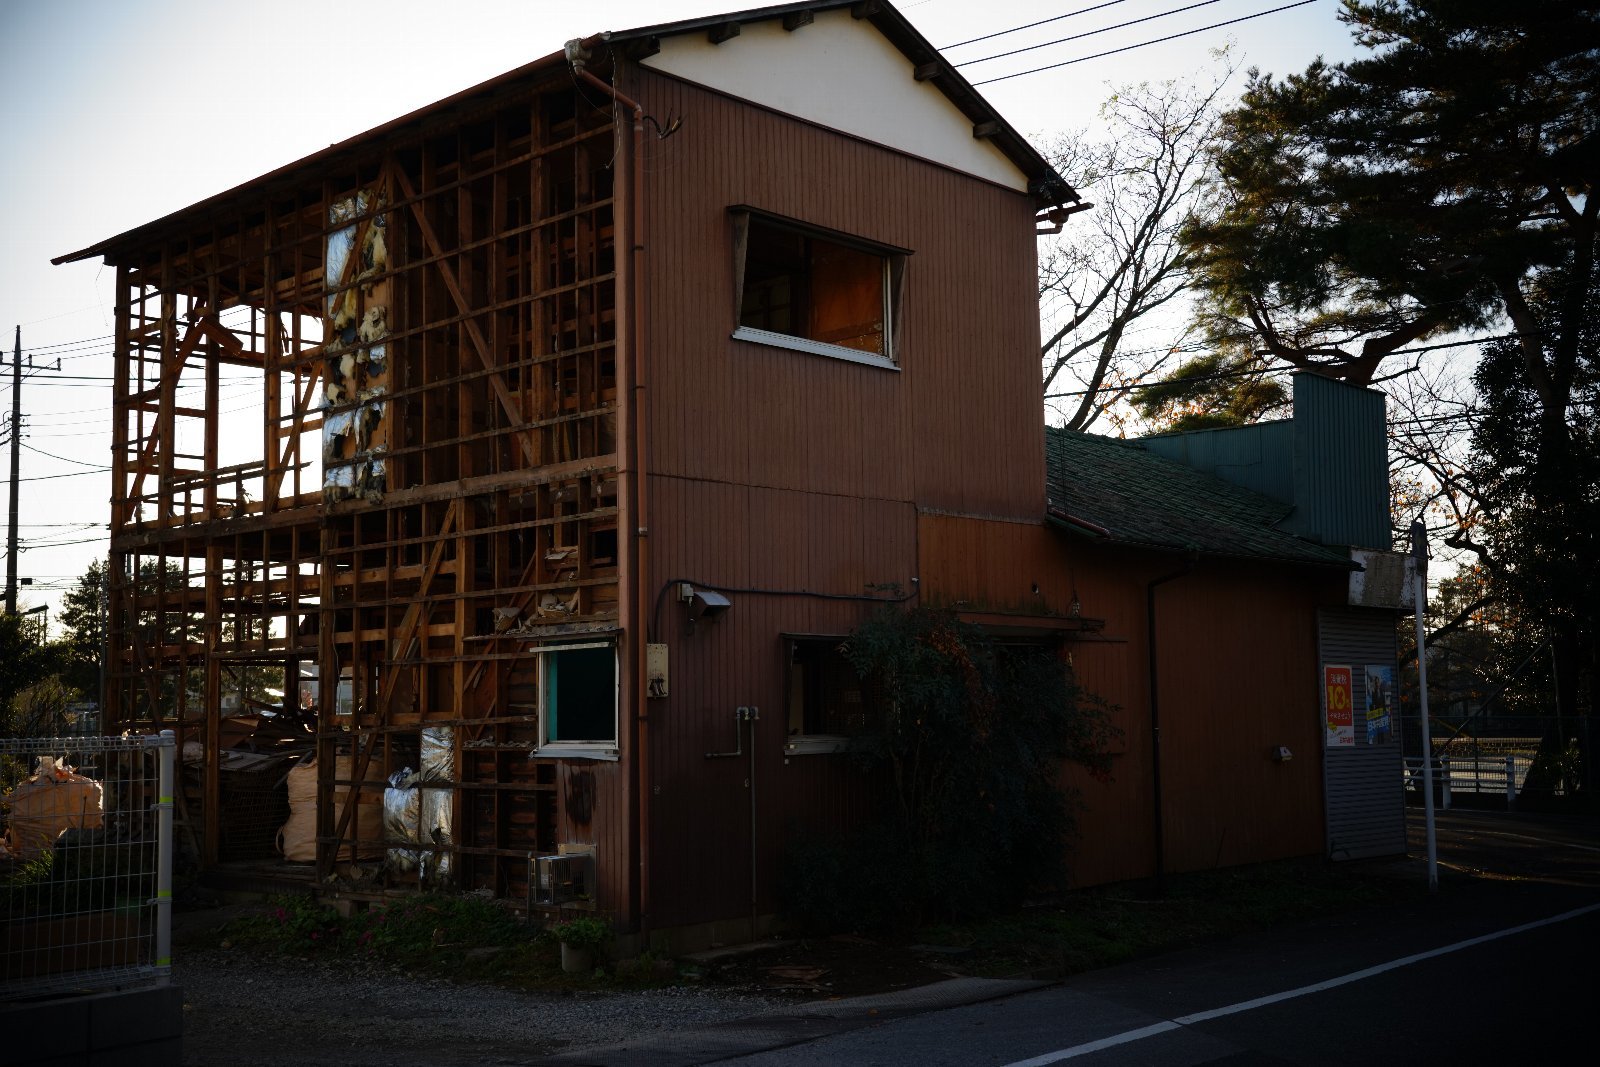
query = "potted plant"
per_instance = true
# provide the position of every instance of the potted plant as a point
(580, 939)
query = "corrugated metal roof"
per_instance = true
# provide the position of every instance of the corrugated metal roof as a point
(1122, 492)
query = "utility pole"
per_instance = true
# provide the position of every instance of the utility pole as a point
(16, 471)
(1419, 553)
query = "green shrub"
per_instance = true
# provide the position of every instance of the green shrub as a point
(966, 744)
(291, 923)
(583, 932)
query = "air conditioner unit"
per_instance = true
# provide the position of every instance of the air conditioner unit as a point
(561, 879)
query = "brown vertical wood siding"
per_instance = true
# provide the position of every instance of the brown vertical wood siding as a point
(955, 428)
(1238, 677)
(778, 470)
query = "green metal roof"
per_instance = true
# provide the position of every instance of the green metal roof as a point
(1122, 492)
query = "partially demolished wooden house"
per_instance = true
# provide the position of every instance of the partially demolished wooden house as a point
(532, 453)
(448, 431)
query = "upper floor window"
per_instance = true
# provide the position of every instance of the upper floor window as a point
(816, 291)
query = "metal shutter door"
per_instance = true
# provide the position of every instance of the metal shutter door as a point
(1362, 789)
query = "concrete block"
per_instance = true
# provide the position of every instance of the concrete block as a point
(131, 1018)
(43, 1031)
(168, 1052)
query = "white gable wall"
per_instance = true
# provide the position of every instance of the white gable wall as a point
(839, 72)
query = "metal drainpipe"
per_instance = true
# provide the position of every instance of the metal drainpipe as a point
(751, 715)
(1155, 723)
(631, 481)
(741, 715)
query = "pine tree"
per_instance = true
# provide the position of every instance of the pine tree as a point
(1444, 182)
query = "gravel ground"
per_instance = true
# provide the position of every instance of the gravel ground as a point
(243, 1010)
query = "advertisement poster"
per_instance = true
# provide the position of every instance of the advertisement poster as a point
(1380, 702)
(1340, 706)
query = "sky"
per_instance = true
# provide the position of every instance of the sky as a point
(117, 113)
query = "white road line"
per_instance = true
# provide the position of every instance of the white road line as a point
(1536, 840)
(1260, 1002)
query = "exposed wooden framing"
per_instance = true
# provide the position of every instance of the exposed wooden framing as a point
(493, 431)
(485, 354)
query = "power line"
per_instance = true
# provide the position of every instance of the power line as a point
(64, 544)
(74, 474)
(64, 459)
(1090, 33)
(1031, 25)
(72, 344)
(1142, 44)
(1166, 382)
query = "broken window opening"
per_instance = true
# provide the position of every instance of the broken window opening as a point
(825, 700)
(814, 291)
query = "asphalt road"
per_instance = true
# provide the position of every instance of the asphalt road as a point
(1496, 968)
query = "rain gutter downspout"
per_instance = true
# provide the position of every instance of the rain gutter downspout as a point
(1155, 719)
(630, 466)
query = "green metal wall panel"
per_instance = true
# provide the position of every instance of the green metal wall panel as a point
(1259, 457)
(1341, 466)
(1330, 461)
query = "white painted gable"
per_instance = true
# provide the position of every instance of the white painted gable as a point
(839, 72)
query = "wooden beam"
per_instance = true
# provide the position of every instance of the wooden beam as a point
(795, 19)
(171, 369)
(435, 247)
(406, 633)
(725, 31)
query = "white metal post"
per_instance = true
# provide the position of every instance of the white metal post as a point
(1419, 552)
(167, 754)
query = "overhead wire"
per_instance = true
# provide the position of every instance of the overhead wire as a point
(1143, 44)
(1031, 25)
(63, 459)
(74, 474)
(1089, 33)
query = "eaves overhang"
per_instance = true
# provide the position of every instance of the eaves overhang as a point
(408, 127)
(1045, 185)
(1310, 556)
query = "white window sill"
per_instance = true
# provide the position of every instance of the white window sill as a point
(572, 751)
(814, 348)
(815, 746)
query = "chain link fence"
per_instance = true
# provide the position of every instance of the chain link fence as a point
(85, 864)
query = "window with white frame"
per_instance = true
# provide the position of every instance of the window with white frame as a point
(816, 291)
(578, 699)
